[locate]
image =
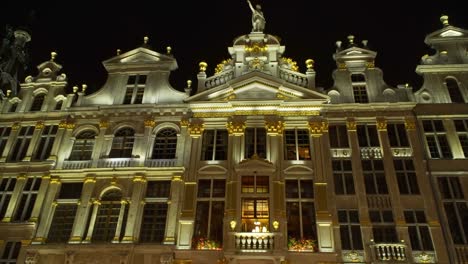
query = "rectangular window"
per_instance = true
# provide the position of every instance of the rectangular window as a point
(70, 190)
(397, 135)
(456, 208)
(28, 199)
(210, 212)
(406, 176)
(300, 209)
(158, 189)
(255, 142)
(255, 184)
(297, 146)
(383, 226)
(10, 252)
(4, 135)
(418, 230)
(374, 177)
(368, 136)
(461, 127)
(18, 152)
(153, 224)
(343, 177)
(338, 136)
(46, 142)
(62, 222)
(135, 89)
(436, 139)
(7, 185)
(215, 144)
(360, 94)
(350, 230)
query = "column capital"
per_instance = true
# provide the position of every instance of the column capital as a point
(104, 123)
(381, 124)
(318, 127)
(90, 180)
(141, 179)
(351, 125)
(96, 202)
(410, 124)
(39, 125)
(15, 126)
(149, 122)
(274, 126)
(196, 128)
(236, 126)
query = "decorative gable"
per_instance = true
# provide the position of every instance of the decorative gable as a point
(138, 58)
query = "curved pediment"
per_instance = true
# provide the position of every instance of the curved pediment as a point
(255, 164)
(212, 170)
(298, 170)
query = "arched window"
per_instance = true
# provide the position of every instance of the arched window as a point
(122, 145)
(83, 146)
(13, 107)
(58, 105)
(165, 144)
(37, 102)
(107, 217)
(454, 90)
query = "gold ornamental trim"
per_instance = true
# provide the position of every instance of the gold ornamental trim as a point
(139, 179)
(15, 126)
(318, 127)
(382, 125)
(104, 124)
(410, 124)
(207, 114)
(150, 122)
(236, 127)
(274, 127)
(90, 180)
(351, 125)
(195, 129)
(39, 125)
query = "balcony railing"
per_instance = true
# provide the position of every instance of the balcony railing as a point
(76, 164)
(254, 242)
(118, 162)
(160, 162)
(388, 252)
(293, 77)
(371, 152)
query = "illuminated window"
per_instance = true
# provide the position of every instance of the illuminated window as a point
(297, 145)
(455, 207)
(255, 142)
(418, 230)
(215, 144)
(343, 177)
(37, 102)
(122, 144)
(436, 139)
(338, 136)
(383, 226)
(46, 142)
(368, 136)
(255, 184)
(10, 252)
(454, 90)
(135, 89)
(7, 185)
(210, 210)
(462, 131)
(154, 217)
(300, 210)
(350, 230)
(27, 200)
(374, 177)
(406, 176)
(255, 213)
(165, 144)
(397, 135)
(18, 152)
(4, 135)
(83, 146)
(108, 217)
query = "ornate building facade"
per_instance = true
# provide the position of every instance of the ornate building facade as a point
(257, 165)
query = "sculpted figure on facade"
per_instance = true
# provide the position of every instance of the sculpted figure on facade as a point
(258, 20)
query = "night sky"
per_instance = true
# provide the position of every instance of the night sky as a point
(85, 33)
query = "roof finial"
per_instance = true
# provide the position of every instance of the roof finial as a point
(444, 20)
(168, 50)
(145, 40)
(203, 66)
(338, 44)
(53, 55)
(310, 64)
(364, 43)
(118, 51)
(84, 87)
(351, 39)
(189, 83)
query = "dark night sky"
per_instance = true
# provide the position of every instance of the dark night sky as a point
(85, 33)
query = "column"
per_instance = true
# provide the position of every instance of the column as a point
(47, 211)
(145, 148)
(92, 221)
(34, 140)
(43, 188)
(366, 227)
(83, 211)
(177, 187)
(118, 229)
(60, 145)
(323, 216)
(101, 143)
(135, 209)
(15, 197)
(11, 140)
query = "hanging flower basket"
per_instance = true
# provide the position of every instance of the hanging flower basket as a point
(202, 243)
(302, 244)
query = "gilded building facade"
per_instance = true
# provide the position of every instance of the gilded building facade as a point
(255, 165)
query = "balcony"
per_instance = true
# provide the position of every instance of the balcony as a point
(118, 162)
(160, 162)
(76, 164)
(388, 253)
(254, 242)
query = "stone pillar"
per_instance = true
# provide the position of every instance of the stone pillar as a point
(11, 140)
(174, 203)
(323, 215)
(134, 210)
(101, 144)
(146, 145)
(43, 189)
(83, 211)
(34, 140)
(92, 221)
(118, 228)
(15, 197)
(366, 227)
(61, 145)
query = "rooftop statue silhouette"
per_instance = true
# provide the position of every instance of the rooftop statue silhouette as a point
(258, 20)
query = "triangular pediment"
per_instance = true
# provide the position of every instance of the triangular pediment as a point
(447, 33)
(356, 53)
(256, 86)
(141, 56)
(255, 164)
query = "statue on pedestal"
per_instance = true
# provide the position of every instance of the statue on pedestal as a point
(258, 20)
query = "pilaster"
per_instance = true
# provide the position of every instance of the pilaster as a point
(174, 203)
(11, 140)
(15, 197)
(101, 143)
(43, 189)
(135, 209)
(35, 138)
(83, 211)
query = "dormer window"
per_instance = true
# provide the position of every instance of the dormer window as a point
(135, 89)
(454, 90)
(358, 81)
(37, 103)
